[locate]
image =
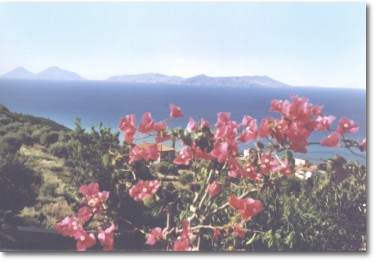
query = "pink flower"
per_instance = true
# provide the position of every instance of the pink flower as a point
(267, 163)
(347, 126)
(184, 157)
(69, 226)
(200, 153)
(279, 105)
(175, 111)
(251, 131)
(204, 123)
(183, 242)
(136, 154)
(106, 238)
(239, 231)
(85, 241)
(247, 120)
(213, 189)
(234, 168)
(155, 235)
(226, 129)
(151, 152)
(323, 122)
(223, 118)
(250, 172)
(248, 208)
(216, 233)
(299, 108)
(128, 126)
(147, 152)
(284, 168)
(265, 127)
(144, 189)
(248, 135)
(331, 140)
(147, 123)
(90, 190)
(297, 136)
(94, 198)
(191, 125)
(84, 214)
(160, 126)
(221, 152)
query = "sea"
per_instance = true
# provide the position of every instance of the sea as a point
(105, 102)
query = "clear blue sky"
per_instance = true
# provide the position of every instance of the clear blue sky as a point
(321, 44)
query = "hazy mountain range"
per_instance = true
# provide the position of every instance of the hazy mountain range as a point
(51, 73)
(56, 73)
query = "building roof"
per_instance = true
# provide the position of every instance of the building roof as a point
(161, 147)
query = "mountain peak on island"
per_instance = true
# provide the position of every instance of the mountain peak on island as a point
(50, 73)
(18, 73)
(56, 73)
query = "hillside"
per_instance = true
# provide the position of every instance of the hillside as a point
(10, 118)
(42, 163)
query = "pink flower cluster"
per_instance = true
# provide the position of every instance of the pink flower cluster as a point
(73, 226)
(188, 153)
(183, 242)
(93, 197)
(156, 234)
(344, 126)
(144, 189)
(128, 125)
(148, 152)
(213, 189)
(248, 208)
(299, 119)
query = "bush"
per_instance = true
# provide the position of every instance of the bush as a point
(10, 144)
(49, 138)
(18, 184)
(167, 168)
(38, 131)
(60, 149)
(318, 214)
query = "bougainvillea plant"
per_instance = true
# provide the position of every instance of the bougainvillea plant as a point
(221, 202)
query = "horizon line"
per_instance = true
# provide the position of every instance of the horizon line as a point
(170, 75)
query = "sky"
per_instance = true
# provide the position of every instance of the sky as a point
(312, 44)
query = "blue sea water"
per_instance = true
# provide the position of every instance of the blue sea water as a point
(100, 101)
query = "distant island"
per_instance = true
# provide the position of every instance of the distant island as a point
(56, 73)
(51, 73)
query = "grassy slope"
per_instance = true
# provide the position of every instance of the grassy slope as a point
(56, 195)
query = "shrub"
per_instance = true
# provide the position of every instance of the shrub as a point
(18, 184)
(167, 168)
(10, 144)
(60, 149)
(317, 214)
(49, 138)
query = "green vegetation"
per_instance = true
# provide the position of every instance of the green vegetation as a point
(323, 213)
